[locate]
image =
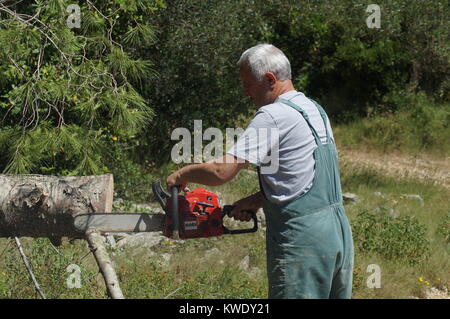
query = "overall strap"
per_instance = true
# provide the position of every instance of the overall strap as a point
(324, 118)
(306, 117)
(258, 169)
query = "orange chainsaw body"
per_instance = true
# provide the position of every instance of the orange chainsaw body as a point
(199, 215)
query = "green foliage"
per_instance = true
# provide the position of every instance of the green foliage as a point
(131, 180)
(444, 228)
(198, 46)
(63, 89)
(349, 67)
(102, 77)
(418, 126)
(402, 238)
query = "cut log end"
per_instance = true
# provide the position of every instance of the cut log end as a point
(44, 206)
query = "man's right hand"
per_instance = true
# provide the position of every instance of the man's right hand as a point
(251, 203)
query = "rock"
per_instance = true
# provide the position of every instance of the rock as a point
(379, 194)
(146, 240)
(435, 293)
(245, 263)
(261, 217)
(350, 198)
(245, 266)
(165, 260)
(119, 236)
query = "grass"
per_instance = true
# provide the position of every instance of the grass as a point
(49, 265)
(407, 238)
(380, 195)
(198, 268)
(418, 127)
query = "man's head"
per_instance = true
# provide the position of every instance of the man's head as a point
(265, 73)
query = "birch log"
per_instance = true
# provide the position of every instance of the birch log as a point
(44, 206)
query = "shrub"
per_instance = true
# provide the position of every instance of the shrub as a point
(444, 228)
(401, 238)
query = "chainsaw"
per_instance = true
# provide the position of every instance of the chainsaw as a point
(196, 214)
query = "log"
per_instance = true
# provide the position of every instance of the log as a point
(44, 206)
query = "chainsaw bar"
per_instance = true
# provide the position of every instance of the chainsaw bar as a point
(119, 222)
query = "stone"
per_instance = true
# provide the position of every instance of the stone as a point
(245, 263)
(147, 240)
(350, 198)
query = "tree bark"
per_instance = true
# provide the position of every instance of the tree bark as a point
(44, 206)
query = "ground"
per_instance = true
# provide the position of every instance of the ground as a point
(422, 167)
(401, 165)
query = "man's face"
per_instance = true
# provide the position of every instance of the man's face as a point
(258, 91)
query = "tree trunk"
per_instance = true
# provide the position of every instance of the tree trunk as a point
(44, 206)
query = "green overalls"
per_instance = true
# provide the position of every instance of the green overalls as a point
(309, 240)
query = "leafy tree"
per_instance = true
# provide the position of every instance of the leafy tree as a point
(67, 94)
(199, 43)
(351, 68)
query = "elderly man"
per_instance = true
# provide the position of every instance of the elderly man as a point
(309, 242)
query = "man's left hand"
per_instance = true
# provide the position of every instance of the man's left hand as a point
(175, 180)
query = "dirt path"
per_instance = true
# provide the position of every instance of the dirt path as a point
(401, 165)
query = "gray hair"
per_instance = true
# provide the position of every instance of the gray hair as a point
(263, 58)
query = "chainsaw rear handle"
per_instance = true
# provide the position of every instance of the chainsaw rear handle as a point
(175, 215)
(227, 210)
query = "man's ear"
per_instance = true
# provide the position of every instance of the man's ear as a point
(271, 78)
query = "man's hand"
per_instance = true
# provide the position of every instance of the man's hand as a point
(251, 203)
(175, 180)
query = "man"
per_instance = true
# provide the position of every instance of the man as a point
(308, 240)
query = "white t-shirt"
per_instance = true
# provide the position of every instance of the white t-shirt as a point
(280, 142)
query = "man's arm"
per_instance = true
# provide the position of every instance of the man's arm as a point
(213, 173)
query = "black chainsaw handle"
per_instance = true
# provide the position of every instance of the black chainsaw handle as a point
(175, 215)
(227, 210)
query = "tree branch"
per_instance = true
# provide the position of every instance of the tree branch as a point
(104, 263)
(27, 266)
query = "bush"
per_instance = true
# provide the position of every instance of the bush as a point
(197, 51)
(401, 238)
(444, 228)
(131, 180)
(418, 125)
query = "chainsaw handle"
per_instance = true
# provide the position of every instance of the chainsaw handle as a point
(175, 215)
(227, 210)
